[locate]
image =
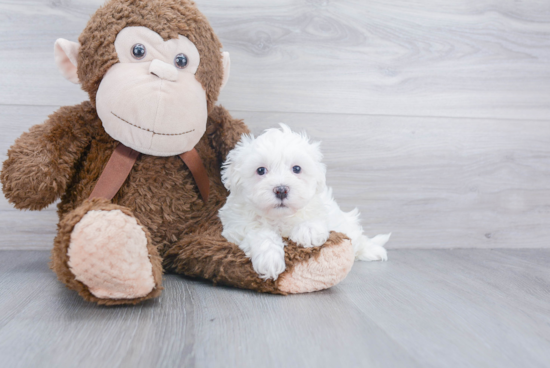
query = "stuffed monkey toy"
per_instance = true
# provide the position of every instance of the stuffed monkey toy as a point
(137, 167)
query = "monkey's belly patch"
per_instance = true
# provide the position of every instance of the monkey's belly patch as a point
(149, 130)
(108, 253)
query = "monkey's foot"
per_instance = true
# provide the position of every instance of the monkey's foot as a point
(108, 253)
(328, 268)
(103, 252)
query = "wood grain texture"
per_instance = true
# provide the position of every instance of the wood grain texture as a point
(424, 308)
(433, 182)
(464, 58)
(440, 305)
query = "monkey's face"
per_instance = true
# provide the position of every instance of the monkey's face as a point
(150, 100)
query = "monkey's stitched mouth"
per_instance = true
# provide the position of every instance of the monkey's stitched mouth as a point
(149, 130)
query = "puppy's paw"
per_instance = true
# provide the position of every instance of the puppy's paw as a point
(310, 234)
(269, 263)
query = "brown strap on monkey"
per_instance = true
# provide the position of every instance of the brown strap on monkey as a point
(123, 159)
(194, 163)
(115, 173)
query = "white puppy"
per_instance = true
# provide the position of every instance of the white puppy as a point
(278, 189)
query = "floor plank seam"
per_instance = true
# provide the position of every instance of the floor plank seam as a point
(334, 113)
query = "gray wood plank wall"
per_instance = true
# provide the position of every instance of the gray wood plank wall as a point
(434, 115)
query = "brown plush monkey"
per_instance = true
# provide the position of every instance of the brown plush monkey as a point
(153, 71)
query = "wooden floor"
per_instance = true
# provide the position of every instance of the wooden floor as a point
(424, 308)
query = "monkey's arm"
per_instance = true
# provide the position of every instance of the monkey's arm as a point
(41, 162)
(224, 132)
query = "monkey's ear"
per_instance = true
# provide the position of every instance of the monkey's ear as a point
(226, 61)
(66, 53)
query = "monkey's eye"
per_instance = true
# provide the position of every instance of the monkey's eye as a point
(180, 61)
(261, 171)
(138, 51)
(297, 169)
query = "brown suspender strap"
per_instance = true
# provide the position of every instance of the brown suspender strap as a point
(123, 159)
(115, 173)
(195, 165)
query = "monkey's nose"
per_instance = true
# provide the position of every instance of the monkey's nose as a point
(163, 70)
(281, 192)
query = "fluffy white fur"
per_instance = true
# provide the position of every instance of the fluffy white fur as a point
(256, 219)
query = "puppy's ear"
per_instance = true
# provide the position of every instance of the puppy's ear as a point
(230, 168)
(317, 156)
(228, 172)
(322, 178)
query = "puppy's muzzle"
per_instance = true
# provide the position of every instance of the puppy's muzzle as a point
(281, 191)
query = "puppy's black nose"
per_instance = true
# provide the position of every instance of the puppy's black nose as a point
(281, 192)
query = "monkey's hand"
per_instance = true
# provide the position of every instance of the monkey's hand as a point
(41, 162)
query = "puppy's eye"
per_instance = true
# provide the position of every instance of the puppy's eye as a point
(180, 61)
(297, 169)
(138, 51)
(261, 171)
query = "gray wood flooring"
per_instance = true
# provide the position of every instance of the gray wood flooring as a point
(424, 308)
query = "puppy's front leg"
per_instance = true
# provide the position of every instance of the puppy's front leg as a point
(310, 233)
(266, 251)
